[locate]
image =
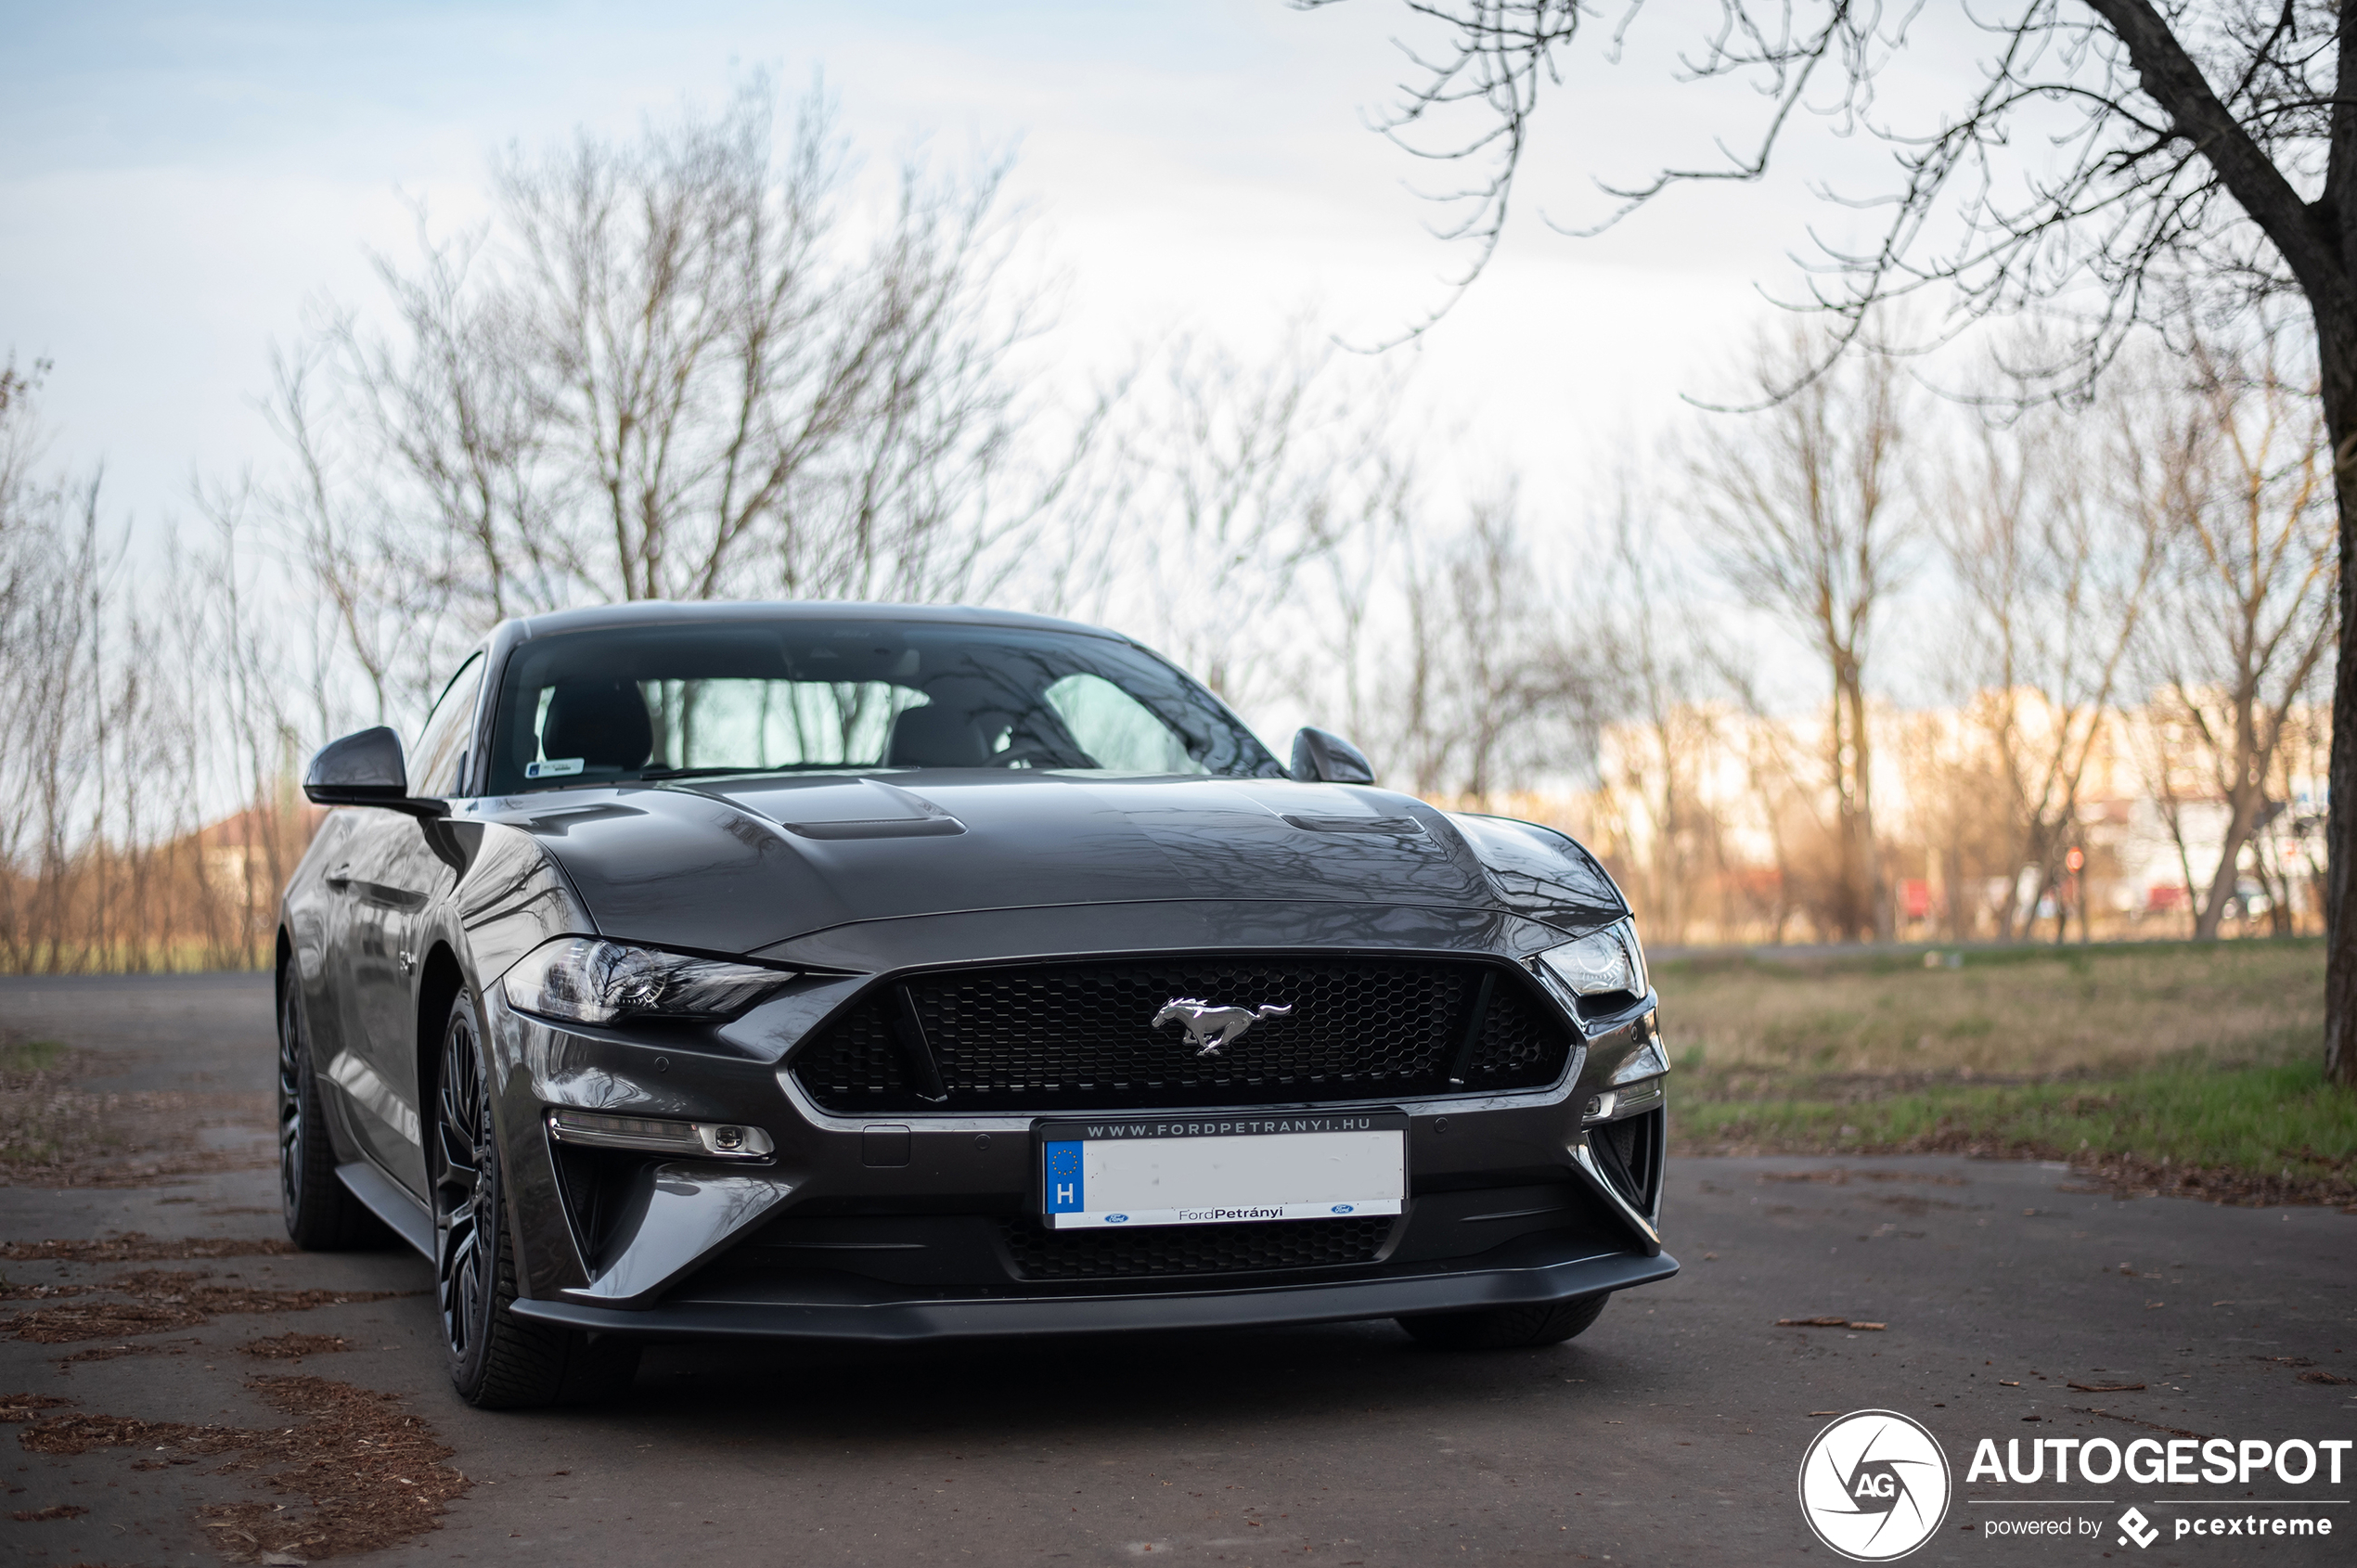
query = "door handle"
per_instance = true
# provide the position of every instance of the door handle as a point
(341, 878)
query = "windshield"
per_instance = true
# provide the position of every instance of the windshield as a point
(666, 701)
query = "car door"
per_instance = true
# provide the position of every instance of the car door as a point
(400, 866)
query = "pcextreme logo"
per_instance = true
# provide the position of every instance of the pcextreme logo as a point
(1874, 1485)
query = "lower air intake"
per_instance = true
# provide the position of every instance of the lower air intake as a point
(1163, 1249)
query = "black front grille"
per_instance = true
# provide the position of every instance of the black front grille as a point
(1080, 1037)
(1113, 1253)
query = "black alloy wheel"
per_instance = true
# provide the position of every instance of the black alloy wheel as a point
(465, 1187)
(498, 1360)
(291, 1118)
(321, 1215)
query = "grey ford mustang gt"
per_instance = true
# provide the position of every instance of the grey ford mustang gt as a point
(869, 973)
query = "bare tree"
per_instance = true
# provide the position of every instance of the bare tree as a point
(1805, 500)
(144, 747)
(685, 367)
(1666, 737)
(1236, 475)
(2112, 153)
(1450, 649)
(2054, 568)
(2245, 621)
(51, 565)
(1525, 695)
(2166, 756)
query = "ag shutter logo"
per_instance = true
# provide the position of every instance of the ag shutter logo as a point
(1873, 1485)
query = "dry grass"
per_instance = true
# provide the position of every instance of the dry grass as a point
(164, 1299)
(2193, 1069)
(294, 1347)
(138, 1246)
(1740, 1025)
(371, 1476)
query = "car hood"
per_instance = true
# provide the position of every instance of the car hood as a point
(731, 865)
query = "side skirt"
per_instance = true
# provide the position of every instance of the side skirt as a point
(390, 1202)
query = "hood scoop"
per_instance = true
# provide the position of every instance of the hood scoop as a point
(1398, 826)
(847, 808)
(879, 828)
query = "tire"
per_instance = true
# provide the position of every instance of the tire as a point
(498, 1360)
(1507, 1328)
(322, 1216)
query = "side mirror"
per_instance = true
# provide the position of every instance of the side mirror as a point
(365, 769)
(1323, 757)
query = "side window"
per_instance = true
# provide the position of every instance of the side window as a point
(1117, 731)
(441, 754)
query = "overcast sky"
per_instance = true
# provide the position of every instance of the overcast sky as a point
(179, 182)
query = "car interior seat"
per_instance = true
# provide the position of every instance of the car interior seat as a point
(930, 737)
(602, 722)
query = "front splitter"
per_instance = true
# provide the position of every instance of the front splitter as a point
(908, 1321)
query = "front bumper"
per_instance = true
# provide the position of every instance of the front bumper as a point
(882, 1230)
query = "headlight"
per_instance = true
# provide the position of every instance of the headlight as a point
(1602, 962)
(582, 979)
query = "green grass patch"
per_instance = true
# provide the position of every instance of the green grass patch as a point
(30, 1055)
(2281, 1123)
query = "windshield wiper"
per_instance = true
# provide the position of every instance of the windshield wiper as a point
(653, 773)
(660, 774)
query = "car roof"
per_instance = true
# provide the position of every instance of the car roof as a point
(646, 612)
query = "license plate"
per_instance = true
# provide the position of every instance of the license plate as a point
(1214, 1170)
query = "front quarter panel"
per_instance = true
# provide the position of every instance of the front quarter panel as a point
(512, 897)
(317, 916)
(1540, 872)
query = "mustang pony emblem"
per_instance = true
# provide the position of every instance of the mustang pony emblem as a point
(1207, 1027)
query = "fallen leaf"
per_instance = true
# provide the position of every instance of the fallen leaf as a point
(1826, 1323)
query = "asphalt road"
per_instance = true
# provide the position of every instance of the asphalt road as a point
(1671, 1432)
